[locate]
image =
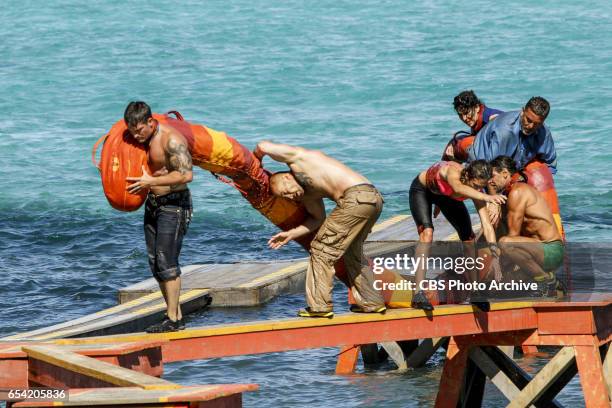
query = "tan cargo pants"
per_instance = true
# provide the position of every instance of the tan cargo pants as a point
(342, 235)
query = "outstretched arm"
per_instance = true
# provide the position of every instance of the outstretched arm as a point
(316, 216)
(453, 178)
(280, 152)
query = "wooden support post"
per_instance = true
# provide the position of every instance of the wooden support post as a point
(473, 390)
(423, 353)
(452, 376)
(396, 353)
(544, 379)
(370, 354)
(347, 360)
(495, 374)
(507, 350)
(509, 378)
(591, 374)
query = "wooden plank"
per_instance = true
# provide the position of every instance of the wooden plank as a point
(544, 379)
(494, 373)
(99, 370)
(591, 374)
(137, 397)
(519, 378)
(526, 316)
(473, 390)
(347, 359)
(423, 353)
(453, 375)
(133, 316)
(396, 353)
(507, 350)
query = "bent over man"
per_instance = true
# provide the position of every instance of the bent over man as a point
(312, 177)
(533, 241)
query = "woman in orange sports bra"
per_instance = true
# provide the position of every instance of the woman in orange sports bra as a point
(447, 184)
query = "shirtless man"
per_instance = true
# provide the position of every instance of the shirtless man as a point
(533, 241)
(315, 176)
(168, 207)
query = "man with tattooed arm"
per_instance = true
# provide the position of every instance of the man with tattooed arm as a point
(168, 207)
(312, 177)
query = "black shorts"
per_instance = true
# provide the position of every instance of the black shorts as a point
(422, 201)
(166, 221)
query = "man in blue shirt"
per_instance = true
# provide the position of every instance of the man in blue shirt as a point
(521, 135)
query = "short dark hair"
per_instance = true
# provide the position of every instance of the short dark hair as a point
(275, 177)
(136, 113)
(465, 101)
(504, 163)
(539, 106)
(476, 170)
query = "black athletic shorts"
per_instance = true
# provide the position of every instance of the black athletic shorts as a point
(166, 221)
(421, 204)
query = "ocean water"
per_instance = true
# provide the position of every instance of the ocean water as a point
(370, 83)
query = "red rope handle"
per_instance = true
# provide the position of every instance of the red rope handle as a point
(95, 150)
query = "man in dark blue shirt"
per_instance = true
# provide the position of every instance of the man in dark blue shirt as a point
(521, 135)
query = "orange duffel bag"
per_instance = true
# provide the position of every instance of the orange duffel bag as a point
(121, 157)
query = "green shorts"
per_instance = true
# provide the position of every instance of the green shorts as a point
(553, 255)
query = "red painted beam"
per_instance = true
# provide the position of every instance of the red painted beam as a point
(180, 349)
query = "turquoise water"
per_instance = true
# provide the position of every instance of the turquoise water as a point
(370, 83)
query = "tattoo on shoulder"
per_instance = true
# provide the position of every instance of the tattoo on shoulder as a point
(179, 157)
(303, 179)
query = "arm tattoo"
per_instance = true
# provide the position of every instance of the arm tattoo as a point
(303, 179)
(179, 157)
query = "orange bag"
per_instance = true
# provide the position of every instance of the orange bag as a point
(122, 156)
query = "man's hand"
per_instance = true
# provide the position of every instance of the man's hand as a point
(280, 239)
(161, 172)
(495, 199)
(143, 182)
(494, 213)
(449, 151)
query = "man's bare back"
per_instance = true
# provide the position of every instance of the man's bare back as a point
(319, 175)
(528, 211)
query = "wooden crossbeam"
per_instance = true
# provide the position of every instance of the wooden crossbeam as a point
(544, 379)
(494, 373)
(426, 349)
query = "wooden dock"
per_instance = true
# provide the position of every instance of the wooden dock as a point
(580, 329)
